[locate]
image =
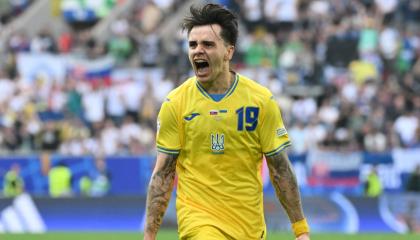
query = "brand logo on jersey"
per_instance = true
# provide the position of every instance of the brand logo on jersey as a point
(191, 116)
(281, 131)
(217, 143)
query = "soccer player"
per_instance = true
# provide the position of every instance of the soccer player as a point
(213, 131)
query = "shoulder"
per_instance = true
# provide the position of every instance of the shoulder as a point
(179, 92)
(256, 90)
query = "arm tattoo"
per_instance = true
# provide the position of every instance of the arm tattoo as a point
(284, 181)
(159, 193)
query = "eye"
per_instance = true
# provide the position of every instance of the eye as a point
(208, 44)
(192, 44)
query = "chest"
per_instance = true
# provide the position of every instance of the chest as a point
(216, 126)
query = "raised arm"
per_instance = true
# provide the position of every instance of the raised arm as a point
(284, 181)
(159, 193)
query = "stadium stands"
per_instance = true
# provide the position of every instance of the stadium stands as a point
(346, 76)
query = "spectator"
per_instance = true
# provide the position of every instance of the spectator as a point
(150, 49)
(13, 183)
(298, 135)
(101, 183)
(85, 185)
(59, 179)
(50, 137)
(406, 127)
(43, 42)
(110, 138)
(120, 46)
(373, 185)
(114, 104)
(374, 140)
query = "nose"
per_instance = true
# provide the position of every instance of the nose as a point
(199, 49)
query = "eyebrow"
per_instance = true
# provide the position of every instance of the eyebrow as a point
(204, 42)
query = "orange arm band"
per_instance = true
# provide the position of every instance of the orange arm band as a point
(300, 227)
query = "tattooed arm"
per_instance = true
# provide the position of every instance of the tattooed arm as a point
(159, 193)
(284, 182)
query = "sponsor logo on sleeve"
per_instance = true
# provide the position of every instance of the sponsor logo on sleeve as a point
(281, 132)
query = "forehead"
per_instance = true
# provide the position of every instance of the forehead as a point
(205, 33)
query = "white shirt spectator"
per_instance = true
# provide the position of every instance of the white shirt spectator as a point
(389, 42)
(315, 134)
(298, 137)
(110, 137)
(349, 92)
(115, 101)
(386, 6)
(94, 106)
(163, 89)
(33, 126)
(406, 126)
(120, 27)
(18, 102)
(130, 130)
(133, 92)
(7, 87)
(281, 10)
(58, 99)
(275, 86)
(319, 7)
(328, 114)
(72, 147)
(252, 10)
(164, 5)
(92, 146)
(375, 142)
(304, 109)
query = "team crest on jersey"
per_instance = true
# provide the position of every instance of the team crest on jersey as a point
(218, 143)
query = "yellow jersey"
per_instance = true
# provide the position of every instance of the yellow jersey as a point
(221, 146)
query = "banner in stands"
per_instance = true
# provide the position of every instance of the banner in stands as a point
(48, 67)
(92, 70)
(406, 160)
(333, 168)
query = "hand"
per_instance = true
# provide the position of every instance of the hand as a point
(304, 236)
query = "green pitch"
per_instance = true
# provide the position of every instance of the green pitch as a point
(172, 235)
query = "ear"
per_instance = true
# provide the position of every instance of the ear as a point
(229, 53)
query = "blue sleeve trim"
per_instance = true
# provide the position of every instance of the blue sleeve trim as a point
(278, 149)
(168, 151)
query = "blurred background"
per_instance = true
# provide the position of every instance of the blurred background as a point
(81, 83)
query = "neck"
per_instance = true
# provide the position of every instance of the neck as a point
(221, 84)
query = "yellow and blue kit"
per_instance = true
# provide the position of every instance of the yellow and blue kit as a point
(221, 146)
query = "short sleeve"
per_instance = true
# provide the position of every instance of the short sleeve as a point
(167, 137)
(273, 134)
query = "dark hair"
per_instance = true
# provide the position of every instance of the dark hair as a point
(214, 14)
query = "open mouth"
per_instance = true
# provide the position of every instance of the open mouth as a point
(202, 67)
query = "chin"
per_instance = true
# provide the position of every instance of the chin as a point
(203, 79)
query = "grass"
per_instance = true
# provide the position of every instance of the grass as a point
(172, 235)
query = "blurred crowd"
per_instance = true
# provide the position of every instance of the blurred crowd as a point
(10, 9)
(346, 75)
